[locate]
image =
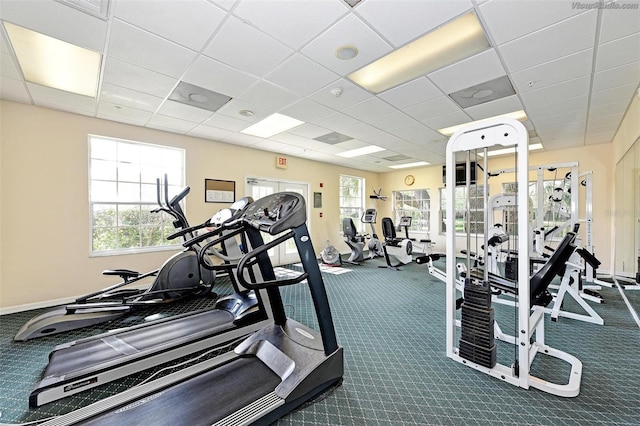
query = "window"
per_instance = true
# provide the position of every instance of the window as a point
(415, 203)
(475, 214)
(122, 193)
(351, 199)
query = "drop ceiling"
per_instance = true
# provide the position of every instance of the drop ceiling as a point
(574, 69)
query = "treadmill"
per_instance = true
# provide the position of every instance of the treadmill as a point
(84, 364)
(271, 372)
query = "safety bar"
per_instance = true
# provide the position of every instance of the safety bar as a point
(248, 260)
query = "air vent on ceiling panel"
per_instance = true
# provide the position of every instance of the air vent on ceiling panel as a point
(352, 3)
(333, 138)
(99, 8)
(396, 157)
(484, 92)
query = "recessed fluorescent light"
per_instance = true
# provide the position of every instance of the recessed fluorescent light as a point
(54, 63)
(448, 44)
(360, 151)
(517, 115)
(272, 125)
(406, 166)
(532, 147)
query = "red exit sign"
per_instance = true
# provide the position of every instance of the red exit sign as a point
(281, 162)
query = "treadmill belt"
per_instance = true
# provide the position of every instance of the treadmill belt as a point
(97, 351)
(201, 400)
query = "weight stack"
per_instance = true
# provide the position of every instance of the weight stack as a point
(477, 342)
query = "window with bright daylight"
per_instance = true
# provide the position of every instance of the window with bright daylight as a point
(351, 199)
(122, 193)
(415, 203)
(475, 213)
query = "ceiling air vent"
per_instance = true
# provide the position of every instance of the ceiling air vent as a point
(484, 92)
(99, 8)
(333, 138)
(198, 97)
(352, 3)
(398, 157)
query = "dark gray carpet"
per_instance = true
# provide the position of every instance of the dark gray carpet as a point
(392, 327)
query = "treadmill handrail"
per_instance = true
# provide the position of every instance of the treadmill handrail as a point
(248, 260)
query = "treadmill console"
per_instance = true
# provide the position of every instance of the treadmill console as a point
(276, 212)
(369, 216)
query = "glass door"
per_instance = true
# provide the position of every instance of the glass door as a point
(260, 187)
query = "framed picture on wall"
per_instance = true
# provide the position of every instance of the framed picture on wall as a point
(219, 191)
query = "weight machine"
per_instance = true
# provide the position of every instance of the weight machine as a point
(476, 347)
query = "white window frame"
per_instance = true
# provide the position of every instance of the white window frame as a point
(421, 215)
(356, 204)
(477, 211)
(119, 164)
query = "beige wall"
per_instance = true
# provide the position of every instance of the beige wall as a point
(44, 214)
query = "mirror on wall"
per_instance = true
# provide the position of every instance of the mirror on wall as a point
(627, 227)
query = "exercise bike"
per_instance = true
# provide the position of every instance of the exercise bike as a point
(179, 277)
(399, 248)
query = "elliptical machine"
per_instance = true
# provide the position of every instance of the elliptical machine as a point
(179, 277)
(399, 248)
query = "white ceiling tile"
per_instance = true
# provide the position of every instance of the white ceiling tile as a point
(609, 109)
(8, 67)
(301, 75)
(338, 122)
(59, 99)
(401, 21)
(14, 90)
(234, 106)
(241, 46)
(552, 72)
(123, 113)
(599, 121)
(292, 22)
(184, 112)
(563, 142)
(411, 93)
(209, 132)
(307, 110)
(557, 92)
(447, 120)
(619, 52)
(560, 107)
(149, 51)
(351, 94)
(126, 97)
(564, 38)
(477, 69)
(69, 25)
(139, 79)
(394, 120)
(190, 23)
(579, 116)
(493, 108)
(600, 136)
(618, 23)
(227, 123)
(242, 139)
(614, 77)
(4, 45)
(614, 94)
(417, 132)
(433, 108)
(266, 95)
(218, 77)
(369, 109)
(170, 124)
(349, 31)
(508, 20)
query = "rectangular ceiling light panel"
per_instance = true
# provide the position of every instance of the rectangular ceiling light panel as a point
(54, 63)
(360, 151)
(446, 45)
(516, 115)
(407, 165)
(272, 125)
